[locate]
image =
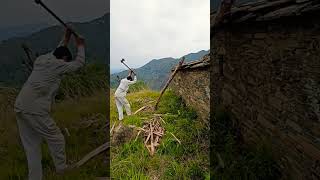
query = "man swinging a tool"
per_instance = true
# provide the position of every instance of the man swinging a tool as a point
(33, 106)
(121, 92)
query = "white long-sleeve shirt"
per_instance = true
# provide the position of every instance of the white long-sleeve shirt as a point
(124, 86)
(38, 93)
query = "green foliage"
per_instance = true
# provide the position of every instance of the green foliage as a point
(241, 162)
(84, 82)
(138, 86)
(172, 160)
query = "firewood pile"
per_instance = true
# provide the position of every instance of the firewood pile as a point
(152, 133)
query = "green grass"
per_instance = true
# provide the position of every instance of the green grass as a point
(190, 160)
(71, 114)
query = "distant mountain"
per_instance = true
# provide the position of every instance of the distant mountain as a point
(21, 31)
(156, 72)
(116, 70)
(96, 33)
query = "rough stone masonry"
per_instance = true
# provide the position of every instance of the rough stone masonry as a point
(266, 72)
(192, 83)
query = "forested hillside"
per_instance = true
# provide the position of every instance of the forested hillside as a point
(11, 54)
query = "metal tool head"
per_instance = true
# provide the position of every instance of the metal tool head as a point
(122, 60)
(37, 1)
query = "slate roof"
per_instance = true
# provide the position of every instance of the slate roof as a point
(204, 62)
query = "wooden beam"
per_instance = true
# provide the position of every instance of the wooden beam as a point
(224, 10)
(29, 61)
(169, 81)
(92, 154)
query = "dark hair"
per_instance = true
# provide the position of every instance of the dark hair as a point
(129, 78)
(62, 51)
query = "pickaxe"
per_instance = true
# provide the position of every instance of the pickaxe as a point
(122, 61)
(55, 16)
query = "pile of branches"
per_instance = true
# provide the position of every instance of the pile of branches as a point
(152, 132)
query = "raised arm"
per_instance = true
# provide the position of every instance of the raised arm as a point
(78, 62)
(66, 38)
(134, 80)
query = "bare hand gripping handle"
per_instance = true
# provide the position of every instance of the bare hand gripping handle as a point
(122, 61)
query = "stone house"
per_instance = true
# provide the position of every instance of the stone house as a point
(192, 83)
(266, 71)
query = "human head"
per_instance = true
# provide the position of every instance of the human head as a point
(129, 78)
(63, 52)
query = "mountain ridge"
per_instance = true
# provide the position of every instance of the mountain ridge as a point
(96, 33)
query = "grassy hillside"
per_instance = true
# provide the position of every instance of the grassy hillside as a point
(156, 72)
(81, 108)
(188, 160)
(96, 33)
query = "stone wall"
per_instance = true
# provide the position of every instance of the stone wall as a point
(192, 84)
(267, 74)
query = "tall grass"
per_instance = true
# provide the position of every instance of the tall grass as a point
(84, 82)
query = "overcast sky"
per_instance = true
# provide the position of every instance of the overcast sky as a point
(142, 30)
(20, 12)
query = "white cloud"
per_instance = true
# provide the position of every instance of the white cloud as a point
(142, 30)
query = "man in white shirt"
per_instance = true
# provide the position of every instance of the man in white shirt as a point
(120, 95)
(33, 105)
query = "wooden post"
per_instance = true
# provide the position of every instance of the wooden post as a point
(29, 61)
(168, 82)
(224, 10)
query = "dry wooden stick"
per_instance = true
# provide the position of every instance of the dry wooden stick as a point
(162, 120)
(139, 110)
(92, 154)
(176, 138)
(67, 132)
(112, 128)
(135, 127)
(146, 141)
(152, 147)
(138, 135)
(168, 82)
(29, 61)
